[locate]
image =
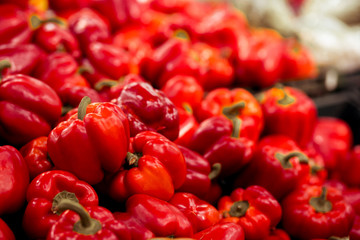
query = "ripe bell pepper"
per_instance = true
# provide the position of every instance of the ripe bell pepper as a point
(36, 156)
(253, 208)
(222, 231)
(92, 222)
(24, 117)
(320, 210)
(44, 193)
(200, 213)
(148, 109)
(134, 226)
(5, 231)
(349, 167)
(277, 234)
(236, 103)
(277, 159)
(287, 108)
(14, 176)
(187, 126)
(94, 140)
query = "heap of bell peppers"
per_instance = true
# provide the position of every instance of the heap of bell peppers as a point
(135, 120)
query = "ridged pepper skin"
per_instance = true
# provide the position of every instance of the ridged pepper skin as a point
(14, 177)
(287, 108)
(200, 213)
(148, 109)
(321, 210)
(277, 159)
(253, 208)
(47, 189)
(24, 117)
(5, 231)
(92, 143)
(222, 231)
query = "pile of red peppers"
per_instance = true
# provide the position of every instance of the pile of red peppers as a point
(161, 119)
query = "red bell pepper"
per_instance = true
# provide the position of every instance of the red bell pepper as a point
(92, 222)
(44, 193)
(134, 226)
(322, 211)
(24, 117)
(160, 217)
(253, 208)
(148, 109)
(355, 229)
(222, 231)
(214, 194)
(5, 231)
(36, 156)
(141, 174)
(92, 141)
(14, 177)
(287, 108)
(277, 234)
(200, 213)
(318, 173)
(277, 159)
(236, 103)
(187, 126)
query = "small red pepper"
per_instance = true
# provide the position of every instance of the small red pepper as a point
(24, 117)
(200, 213)
(253, 208)
(36, 156)
(148, 109)
(92, 141)
(14, 177)
(5, 231)
(322, 211)
(287, 108)
(222, 231)
(44, 193)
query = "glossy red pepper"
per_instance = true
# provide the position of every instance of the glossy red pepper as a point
(5, 231)
(253, 208)
(15, 179)
(200, 213)
(287, 108)
(348, 168)
(93, 222)
(148, 109)
(277, 159)
(222, 231)
(92, 141)
(236, 103)
(24, 117)
(169, 7)
(322, 211)
(134, 226)
(36, 156)
(44, 193)
(187, 126)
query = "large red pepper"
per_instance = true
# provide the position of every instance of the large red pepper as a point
(92, 222)
(148, 109)
(14, 177)
(94, 140)
(44, 193)
(287, 108)
(253, 208)
(322, 211)
(277, 159)
(236, 103)
(24, 117)
(222, 231)
(5, 231)
(200, 213)
(36, 156)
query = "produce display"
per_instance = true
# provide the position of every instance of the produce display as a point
(160, 119)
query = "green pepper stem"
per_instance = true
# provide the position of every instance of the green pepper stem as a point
(285, 158)
(287, 99)
(239, 208)
(105, 83)
(215, 171)
(132, 159)
(36, 22)
(3, 65)
(61, 196)
(321, 204)
(232, 112)
(85, 101)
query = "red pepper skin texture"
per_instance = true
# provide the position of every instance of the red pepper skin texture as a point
(5, 231)
(71, 95)
(25, 117)
(299, 214)
(278, 234)
(222, 231)
(39, 216)
(148, 109)
(68, 5)
(14, 178)
(287, 108)
(268, 167)
(187, 126)
(93, 145)
(35, 156)
(111, 229)
(160, 217)
(262, 214)
(355, 230)
(200, 213)
(155, 144)
(250, 115)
